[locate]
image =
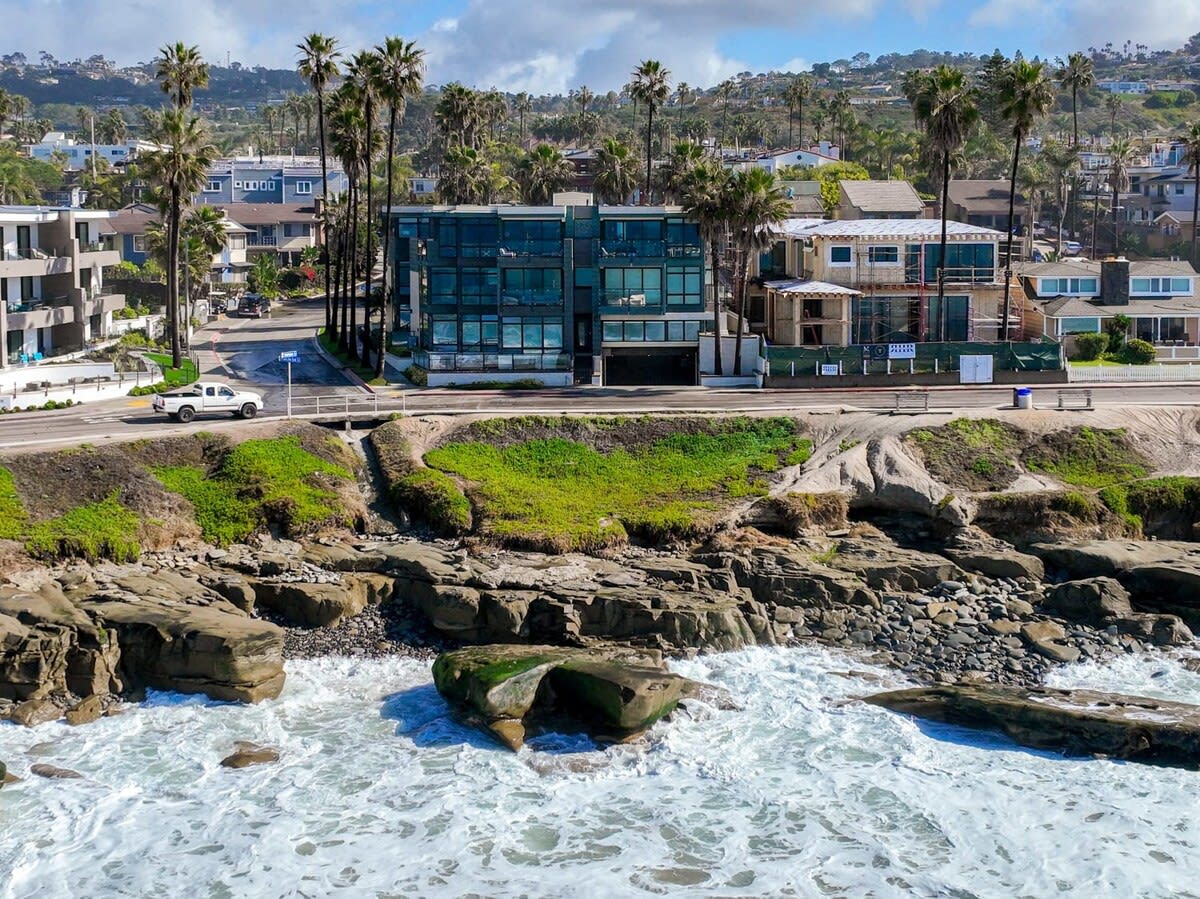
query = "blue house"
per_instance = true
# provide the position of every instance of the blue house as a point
(269, 179)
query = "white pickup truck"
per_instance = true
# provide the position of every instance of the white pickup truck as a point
(207, 396)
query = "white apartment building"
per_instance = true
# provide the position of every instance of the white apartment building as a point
(52, 296)
(79, 153)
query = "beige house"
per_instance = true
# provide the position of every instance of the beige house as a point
(874, 281)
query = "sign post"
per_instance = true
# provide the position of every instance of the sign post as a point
(289, 357)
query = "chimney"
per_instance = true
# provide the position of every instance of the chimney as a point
(1114, 281)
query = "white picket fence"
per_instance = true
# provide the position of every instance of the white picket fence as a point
(1098, 374)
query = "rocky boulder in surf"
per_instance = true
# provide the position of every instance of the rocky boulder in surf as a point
(514, 691)
(1076, 722)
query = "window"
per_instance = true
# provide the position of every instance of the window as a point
(443, 286)
(213, 186)
(651, 331)
(304, 187)
(139, 243)
(1078, 325)
(238, 184)
(683, 238)
(444, 331)
(883, 255)
(948, 322)
(633, 287)
(237, 242)
(27, 288)
(532, 287)
(971, 262)
(1051, 286)
(478, 286)
(532, 238)
(1160, 286)
(468, 239)
(268, 185)
(683, 287)
(1179, 189)
(531, 334)
(480, 332)
(840, 255)
(632, 237)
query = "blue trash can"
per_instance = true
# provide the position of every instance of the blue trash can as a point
(1022, 398)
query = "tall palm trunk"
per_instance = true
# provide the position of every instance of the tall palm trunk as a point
(741, 276)
(366, 341)
(1074, 116)
(1095, 218)
(800, 115)
(649, 133)
(1012, 202)
(352, 326)
(791, 119)
(716, 276)
(334, 269)
(173, 276)
(1116, 226)
(941, 269)
(347, 265)
(1195, 214)
(386, 300)
(330, 307)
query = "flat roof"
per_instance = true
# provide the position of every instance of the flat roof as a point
(883, 228)
(814, 288)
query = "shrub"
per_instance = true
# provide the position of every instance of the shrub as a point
(1138, 352)
(92, 531)
(417, 375)
(435, 498)
(1088, 347)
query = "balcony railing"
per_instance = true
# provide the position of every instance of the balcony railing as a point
(531, 248)
(633, 248)
(634, 302)
(262, 240)
(530, 297)
(33, 305)
(16, 254)
(554, 361)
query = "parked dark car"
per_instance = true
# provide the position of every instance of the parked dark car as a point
(254, 305)
(217, 306)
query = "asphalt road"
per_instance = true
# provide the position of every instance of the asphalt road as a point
(244, 352)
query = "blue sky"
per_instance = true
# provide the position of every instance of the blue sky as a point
(547, 47)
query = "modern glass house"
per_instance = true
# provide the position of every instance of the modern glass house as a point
(567, 293)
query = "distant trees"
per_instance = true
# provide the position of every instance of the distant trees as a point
(798, 91)
(616, 172)
(650, 86)
(542, 173)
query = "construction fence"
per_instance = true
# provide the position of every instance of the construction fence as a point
(924, 358)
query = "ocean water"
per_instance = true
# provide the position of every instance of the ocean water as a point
(799, 793)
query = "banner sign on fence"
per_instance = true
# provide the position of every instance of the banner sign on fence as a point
(874, 351)
(902, 351)
(829, 370)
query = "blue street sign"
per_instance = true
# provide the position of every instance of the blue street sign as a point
(289, 356)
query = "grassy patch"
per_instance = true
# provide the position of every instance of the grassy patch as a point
(973, 454)
(174, 377)
(543, 491)
(1167, 508)
(435, 498)
(260, 481)
(103, 530)
(13, 516)
(1086, 457)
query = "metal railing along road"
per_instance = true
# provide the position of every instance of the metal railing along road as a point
(1116, 374)
(341, 405)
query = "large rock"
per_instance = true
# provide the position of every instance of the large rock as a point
(323, 605)
(193, 648)
(1095, 601)
(510, 689)
(999, 563)
(1078, 722)
(1170, 587)
(1108, 558)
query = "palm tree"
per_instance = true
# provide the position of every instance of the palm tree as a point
(523, 105)
(400, 73)
(542, 173)
(1062, 161)
(944, 106)
(1120, 155)
(842, 116)
(348, 136)
(458, 115)
(682, 94)
(203, 233)
(7, 108)
(113, 127)
(616, 172)
(1025, 96)
(683, 158)
(463, 176)
(181, 71)
(1113, 104)
(1191, 154)
(318, 66)
(177, 169)
(362, 76)
(1078, 74)
(724, 89)
(795, 95)
(707, 202)
(650, 87)
(757, 204)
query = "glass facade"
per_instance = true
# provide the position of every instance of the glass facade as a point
(973, 262)
(499, 293)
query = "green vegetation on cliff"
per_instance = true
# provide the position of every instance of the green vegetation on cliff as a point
(1167, 508)
(972, 454)
(259, 481)
(103, 530)
(1087, 457)
(12, 510)
(532, 485)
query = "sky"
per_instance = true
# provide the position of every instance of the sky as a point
(550, 47)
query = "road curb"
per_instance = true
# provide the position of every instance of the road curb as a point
(337, 363)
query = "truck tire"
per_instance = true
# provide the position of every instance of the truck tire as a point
(185, 414)
(249, 410)
(173, 416)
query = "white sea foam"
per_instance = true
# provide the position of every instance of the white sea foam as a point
(379, 793)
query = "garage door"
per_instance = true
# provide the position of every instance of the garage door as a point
(652, 368)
